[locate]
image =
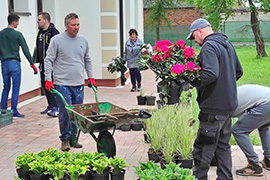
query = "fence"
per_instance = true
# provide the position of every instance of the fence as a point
(237, 31)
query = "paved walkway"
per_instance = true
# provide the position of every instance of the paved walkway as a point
(37, 132)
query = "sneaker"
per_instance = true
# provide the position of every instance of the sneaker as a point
(65, 145)
(139, 88)
(78, 145)
(54, 112)
(18, 115)
(266, 163)
(252, 169)
(133, 89)
(48, 109)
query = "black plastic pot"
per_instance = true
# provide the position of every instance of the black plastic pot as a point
(118, 175)
(185, 163)
(126, 127)
(141, 100)
(38, 176)
(146, 139)
(96, 176)
(23, 174)
(85, 176)
(150, 100)
(153, 156)
(137, 127)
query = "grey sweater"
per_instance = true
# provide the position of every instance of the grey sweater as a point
(249, 96)
(132, 52)
(67, 57)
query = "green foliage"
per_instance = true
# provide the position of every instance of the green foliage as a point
(101, 164)
(57, 170)
(76, 170)
(23, 161)
(150, 171)
(37, 166)
(171, 132)
(118, 164)
(116, 64)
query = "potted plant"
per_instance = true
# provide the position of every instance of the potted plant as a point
(151, 100)
(57, 170)
(136, 125)
(118, 173)
(186, 135)
(100, 169)
(37, 168)
(173, 65)
(154, 130)
(141, 98)
(22, 164)
(76, 170)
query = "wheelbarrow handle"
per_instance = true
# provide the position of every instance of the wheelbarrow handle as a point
(95, 91)
(62, 98)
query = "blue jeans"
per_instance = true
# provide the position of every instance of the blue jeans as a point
(72, 95)
(255, 118)
(11, 70)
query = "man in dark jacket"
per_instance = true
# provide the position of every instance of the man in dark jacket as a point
(45, 33)
(217, 99)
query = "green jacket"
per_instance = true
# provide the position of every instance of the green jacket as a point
(10, 41)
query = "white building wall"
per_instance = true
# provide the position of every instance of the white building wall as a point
(89, 15)
(28, 27)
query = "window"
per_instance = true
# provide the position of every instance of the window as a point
(20, 7)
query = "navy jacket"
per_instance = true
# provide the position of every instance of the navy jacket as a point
(220, 71)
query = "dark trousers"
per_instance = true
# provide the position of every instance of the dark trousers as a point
(49, 96)
(135, 75)
(205, 147)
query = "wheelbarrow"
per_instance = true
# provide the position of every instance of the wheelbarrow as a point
(100, 117)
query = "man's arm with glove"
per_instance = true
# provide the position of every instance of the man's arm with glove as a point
(34, 68)
(91, 82)
(49, 85)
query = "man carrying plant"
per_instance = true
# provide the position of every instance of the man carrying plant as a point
(68, 56)
(253, 112)
(217, 99)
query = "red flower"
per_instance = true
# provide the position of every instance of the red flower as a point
(178, 68)
(189, 52)
(157, 58)
(181, 43)
(163, 46)
(199, 68)
(191, 66)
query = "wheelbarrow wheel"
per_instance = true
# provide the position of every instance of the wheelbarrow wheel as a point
(106, 144)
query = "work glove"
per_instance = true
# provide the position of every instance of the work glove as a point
(49, 85)
(34, 68)
(91, 82)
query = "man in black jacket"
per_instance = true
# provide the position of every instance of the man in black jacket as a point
(217, 99)
(46, 31)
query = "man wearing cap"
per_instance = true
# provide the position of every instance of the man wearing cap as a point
(217, 99)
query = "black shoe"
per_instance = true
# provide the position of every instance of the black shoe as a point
(133, 89)
(139, 88)
(266, 163)
(78, 145)
(48, 109)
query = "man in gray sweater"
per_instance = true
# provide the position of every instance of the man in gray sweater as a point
(67, 57)
(253, 112)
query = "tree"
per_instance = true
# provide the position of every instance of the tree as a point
(214, 8)
(157, 14)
